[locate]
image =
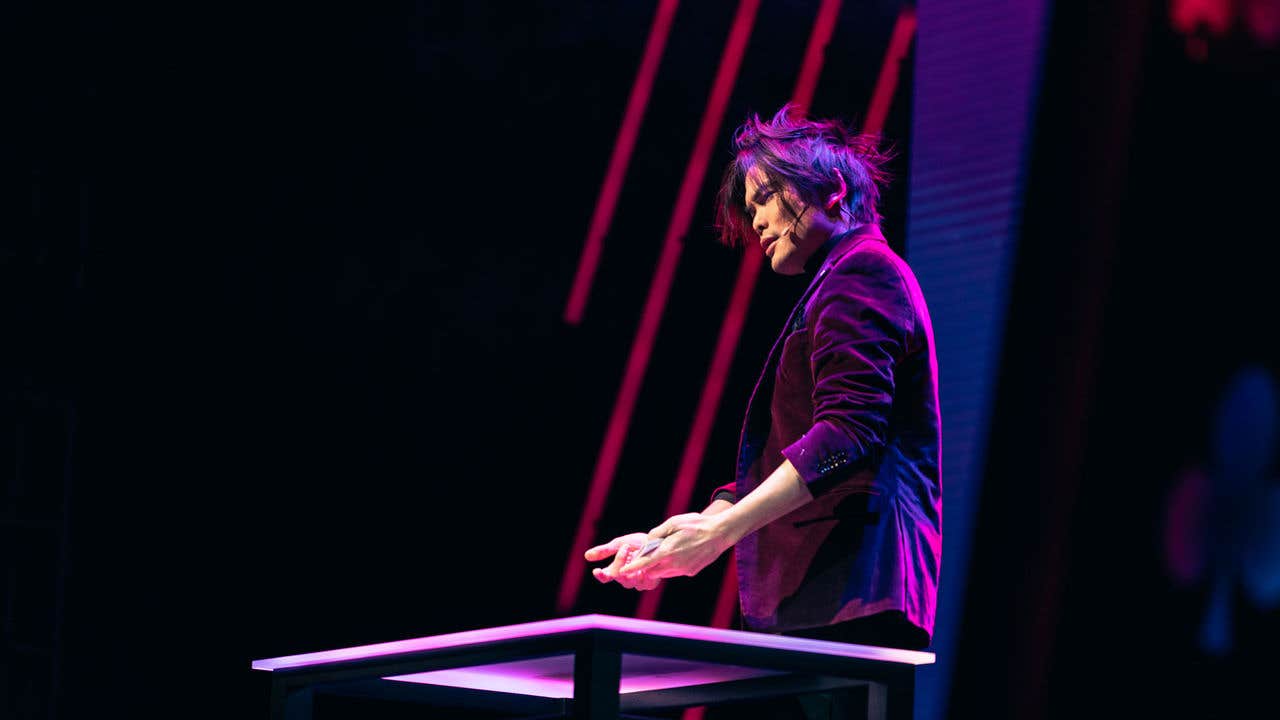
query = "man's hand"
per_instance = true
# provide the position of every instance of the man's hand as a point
(623, 550)
(690, 542)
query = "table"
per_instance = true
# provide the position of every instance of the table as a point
(594, 666)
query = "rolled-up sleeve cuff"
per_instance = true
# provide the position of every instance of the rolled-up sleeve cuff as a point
(823, 456)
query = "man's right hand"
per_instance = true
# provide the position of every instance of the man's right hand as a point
(622, 550)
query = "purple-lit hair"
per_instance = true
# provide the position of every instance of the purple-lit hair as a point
(803, 153)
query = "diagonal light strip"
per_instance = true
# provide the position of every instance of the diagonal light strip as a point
(735, 316)
(723, 615)
(887, 83)
(655, 303)
(607, 202)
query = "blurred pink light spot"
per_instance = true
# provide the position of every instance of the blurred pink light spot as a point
(1184, 532)
(1190, 15)
(1262, 17)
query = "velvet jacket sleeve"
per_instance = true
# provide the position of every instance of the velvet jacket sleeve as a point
(859, 324)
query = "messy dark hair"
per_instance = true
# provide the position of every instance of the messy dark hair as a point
(802, 153)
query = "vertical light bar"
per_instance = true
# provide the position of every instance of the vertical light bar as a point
(655, 303)
(602, 217)
(735, 316)
(977, 68)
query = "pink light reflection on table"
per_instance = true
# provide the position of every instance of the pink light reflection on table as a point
(552, 677)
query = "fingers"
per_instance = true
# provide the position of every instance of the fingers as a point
(610, 572)
(649, 562)
(637, 581)
(626, 568)
(638, 564)
(601, 552)
(651, 566)
(629, 580)
(634, 582)
(648, 584)
(673, 525)
(624, 556)
(670, 525)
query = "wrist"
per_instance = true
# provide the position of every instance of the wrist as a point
(717, 506)
(728, 526)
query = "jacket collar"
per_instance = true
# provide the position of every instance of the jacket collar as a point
(841, 246)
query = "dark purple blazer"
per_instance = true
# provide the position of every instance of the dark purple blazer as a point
(852, 401)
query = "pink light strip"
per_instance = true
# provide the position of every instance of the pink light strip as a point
(887, 83)
(736, 314)
(726, 601)
(886, 86)
(728, 597)
(579, 623)
(712, 390)
(814, 55)
(607, 202)
(655, 304)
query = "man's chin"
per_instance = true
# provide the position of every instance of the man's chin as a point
(782, 267)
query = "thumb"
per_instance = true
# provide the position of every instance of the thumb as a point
(665, 529)
(600, 552)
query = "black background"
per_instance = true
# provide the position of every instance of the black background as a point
(299, 272)
(285, 307)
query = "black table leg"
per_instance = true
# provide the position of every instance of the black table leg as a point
(290, 703)
(597, 672)
(892, 701)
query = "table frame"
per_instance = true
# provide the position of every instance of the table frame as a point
(597, 644)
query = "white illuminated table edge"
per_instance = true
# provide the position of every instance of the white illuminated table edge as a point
(580, 623)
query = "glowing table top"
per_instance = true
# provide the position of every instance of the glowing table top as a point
(537, 660)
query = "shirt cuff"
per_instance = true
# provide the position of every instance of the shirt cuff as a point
(726, 495)
(728, 492)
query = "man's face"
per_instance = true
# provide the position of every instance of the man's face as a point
(787, 243)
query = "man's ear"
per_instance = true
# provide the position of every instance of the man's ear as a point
(834, 198)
